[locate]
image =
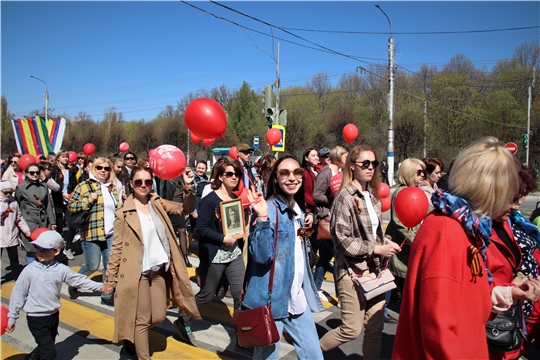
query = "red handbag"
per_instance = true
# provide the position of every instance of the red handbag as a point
(256, 327)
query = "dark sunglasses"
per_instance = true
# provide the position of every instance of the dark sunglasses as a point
(230, 174)
(420, 172)
(14, 162)
(139, 182)
(7, 192)
(106, 168)
(366, 163)
(33, 173)
(298, 173)
(129, 158)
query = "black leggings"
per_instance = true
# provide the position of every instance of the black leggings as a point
(13, 260)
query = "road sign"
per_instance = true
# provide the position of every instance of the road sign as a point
(280, 146)
(512, 147)
(256, 142)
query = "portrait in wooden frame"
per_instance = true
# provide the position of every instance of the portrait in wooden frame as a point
(232, 218)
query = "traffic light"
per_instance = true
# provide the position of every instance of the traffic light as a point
(525, 139)
(268, 99)
(283, 117)
(270, 116)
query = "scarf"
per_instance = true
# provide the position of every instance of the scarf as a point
(8, 211)
(530, 229)
(478, 229)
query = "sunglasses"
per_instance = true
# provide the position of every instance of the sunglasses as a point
(230, 174)
(420, 172)
(298, 173)
(7, 192)
(139, 182)
(33, 173)
(99, 168)
(14, 162)
(366, 163)
(129, 158)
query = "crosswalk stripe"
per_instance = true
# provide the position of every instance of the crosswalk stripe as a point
(101, 325)
(9, 351)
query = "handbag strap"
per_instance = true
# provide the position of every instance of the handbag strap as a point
(271, 281)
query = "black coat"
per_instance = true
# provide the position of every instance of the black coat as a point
(58, 176)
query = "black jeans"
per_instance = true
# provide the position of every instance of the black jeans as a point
(13, 260)
(44, 329)
(210, 276)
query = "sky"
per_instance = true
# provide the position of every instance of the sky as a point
(140, 56)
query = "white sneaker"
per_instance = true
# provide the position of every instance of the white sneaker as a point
(69, 254)
(77, 237)
(322, 296)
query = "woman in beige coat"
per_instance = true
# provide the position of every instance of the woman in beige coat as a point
(146, 267)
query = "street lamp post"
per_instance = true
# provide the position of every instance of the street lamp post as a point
(46, 96)
(390, 102)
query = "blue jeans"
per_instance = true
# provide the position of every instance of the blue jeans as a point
(303, 332)
(93, 251)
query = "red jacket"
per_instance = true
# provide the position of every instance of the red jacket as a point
(309, 180)
(502, 267)
(444, 309)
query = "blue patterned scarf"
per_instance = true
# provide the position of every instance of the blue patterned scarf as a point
(517, 218)
(477, 228)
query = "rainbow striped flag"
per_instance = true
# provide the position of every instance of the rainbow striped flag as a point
(36, 136)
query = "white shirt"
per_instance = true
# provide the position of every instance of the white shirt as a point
(297, 297)
(372, 214)
(153, 252)
(109, 205)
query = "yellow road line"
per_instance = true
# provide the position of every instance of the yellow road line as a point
(101, 325)
(10, 352)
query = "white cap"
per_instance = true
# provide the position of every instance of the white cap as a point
(6, 184)
(49, 240)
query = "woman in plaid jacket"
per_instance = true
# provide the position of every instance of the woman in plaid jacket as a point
(99, 195)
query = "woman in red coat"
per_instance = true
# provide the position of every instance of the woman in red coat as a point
(447, 297)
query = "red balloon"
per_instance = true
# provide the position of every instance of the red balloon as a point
(72, 157)
(167, 162)
(384, 190)
(194, 138)
(335, 182)
(233, 152)
(3, 318)
(37, 158)
(273, 136)
(208, 142)
(89, 149)
(411, 206)
(206, 118)
(26, 160)
(350, 133)
(124, 147)
(151, 152)
(386, 203)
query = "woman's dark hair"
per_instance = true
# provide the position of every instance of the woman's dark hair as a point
(27, 169)
(527, 180)
(142, 162)
(265, 165)
(305, 164)
(219, 169)
(89, 160)
(131, 153)
(136, 169)
(432, 163)
(275, 190)
(44, 166)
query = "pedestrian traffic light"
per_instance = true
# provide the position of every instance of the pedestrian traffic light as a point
(525, 139)
(283, 117)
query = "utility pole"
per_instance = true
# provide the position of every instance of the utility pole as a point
(390, 101)
(425, 117)
(46, 96)
(529, 116)
(276, 84)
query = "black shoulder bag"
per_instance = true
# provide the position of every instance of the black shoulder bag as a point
(80, 219)
(505, 332)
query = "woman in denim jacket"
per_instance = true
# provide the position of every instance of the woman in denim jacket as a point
(294, 296)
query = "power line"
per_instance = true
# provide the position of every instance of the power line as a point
(414, 32)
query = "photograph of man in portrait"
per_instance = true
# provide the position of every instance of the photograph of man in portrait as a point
(232, 218)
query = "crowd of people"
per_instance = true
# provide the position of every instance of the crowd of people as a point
(473, 258)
